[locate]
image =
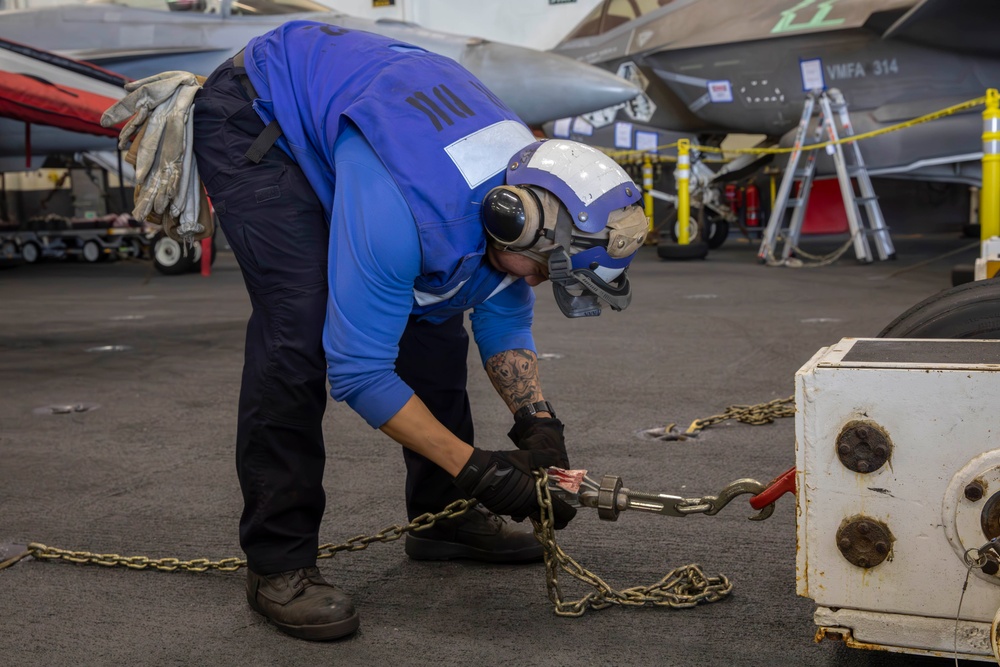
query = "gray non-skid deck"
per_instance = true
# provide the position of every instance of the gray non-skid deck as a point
(150, 471)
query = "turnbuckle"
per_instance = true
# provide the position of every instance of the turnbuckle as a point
(610, 498)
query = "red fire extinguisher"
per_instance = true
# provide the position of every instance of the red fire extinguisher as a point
(734, 197)
(753, 205)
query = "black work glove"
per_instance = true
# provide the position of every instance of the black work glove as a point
(503, 483)
(541, 434)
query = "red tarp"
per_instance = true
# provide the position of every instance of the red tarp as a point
(30, 100)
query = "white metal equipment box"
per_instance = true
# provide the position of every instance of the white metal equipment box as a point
(898, 475)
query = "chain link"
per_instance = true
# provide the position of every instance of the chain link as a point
(682, 587)
(762, 413)
(393, 533)
(390, 534)
(43, 552)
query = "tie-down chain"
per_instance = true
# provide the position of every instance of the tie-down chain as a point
(755, 415)
(684, 586)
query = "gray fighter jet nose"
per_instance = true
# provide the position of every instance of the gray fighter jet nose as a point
(544, 86)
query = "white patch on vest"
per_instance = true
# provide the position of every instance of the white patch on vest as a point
(504, 284)
(484, 153)
(428, 299)
(587, 171)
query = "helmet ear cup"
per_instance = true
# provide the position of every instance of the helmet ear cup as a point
(512, 216)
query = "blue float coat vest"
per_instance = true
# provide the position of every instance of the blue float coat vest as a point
(442, 135)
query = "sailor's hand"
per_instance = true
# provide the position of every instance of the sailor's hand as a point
(503, 483)
(541, 434)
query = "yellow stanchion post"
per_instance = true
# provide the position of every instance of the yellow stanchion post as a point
(989, 196)
(647, 191)
(683, 174)
(988, 264)
(772, 173)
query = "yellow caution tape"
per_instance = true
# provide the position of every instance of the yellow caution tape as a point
(926, 118)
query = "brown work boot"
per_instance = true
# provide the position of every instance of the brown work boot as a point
(479, 534)
(302, 604)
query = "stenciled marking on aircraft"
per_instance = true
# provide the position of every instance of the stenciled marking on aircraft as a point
(787, 21)
(597, 56)
(640, 108)
(859, 70)
(759, 91)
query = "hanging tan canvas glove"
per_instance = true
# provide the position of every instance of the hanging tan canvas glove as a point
(168, 190)
(143, 96)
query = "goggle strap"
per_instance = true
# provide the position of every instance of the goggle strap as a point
(560, 264)
(616, 297)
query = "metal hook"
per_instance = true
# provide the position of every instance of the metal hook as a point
(733, 490)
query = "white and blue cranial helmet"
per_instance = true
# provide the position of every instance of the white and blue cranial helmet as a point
(570, 205)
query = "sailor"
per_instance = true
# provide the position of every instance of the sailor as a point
(373, 192)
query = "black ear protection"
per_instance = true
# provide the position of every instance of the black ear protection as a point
(513, 217)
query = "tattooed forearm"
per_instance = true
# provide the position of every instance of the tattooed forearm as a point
(514, 374)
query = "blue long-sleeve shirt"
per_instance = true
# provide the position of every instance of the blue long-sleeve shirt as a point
(400, 145)
(374, 258)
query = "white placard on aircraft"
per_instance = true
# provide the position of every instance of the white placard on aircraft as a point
(581, 126)
(720, 91)
(560, 128)
(623, 135)
(646, 141)
(812, 74)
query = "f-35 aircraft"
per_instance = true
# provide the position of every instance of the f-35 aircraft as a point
(136, 39)
(712, 67)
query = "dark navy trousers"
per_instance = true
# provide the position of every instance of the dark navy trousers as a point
(278, 231)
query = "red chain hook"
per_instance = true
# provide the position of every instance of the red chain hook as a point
(782, 484)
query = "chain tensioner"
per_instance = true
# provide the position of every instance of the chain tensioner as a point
(610, 498)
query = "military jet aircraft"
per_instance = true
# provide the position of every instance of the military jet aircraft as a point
(712, 67)
(135, 38)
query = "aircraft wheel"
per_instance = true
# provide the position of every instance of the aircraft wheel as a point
(30, 252)
(971, 231)
(169, 258)
(718, 231)
(962, 273)
(967, 311)
(8, 250)
(134, 248)
(91, 252)
(196, 255)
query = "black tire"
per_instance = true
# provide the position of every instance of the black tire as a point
(694, 231)
(91, 252)
(718, 232)
(196, 255)
(971, 230)
(30, 252)
(168, 256)
(675, 251)
(962, 274)
(967, 311)
(8, 251)
(134, 248)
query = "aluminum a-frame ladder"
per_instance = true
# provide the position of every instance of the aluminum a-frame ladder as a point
(849, 163)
